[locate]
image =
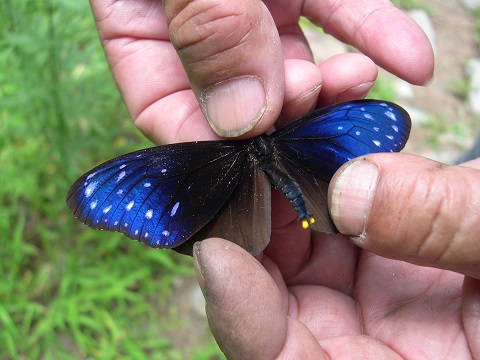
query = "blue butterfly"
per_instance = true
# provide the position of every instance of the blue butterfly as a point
(173, 195)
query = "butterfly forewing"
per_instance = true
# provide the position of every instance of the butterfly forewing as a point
(162, 195)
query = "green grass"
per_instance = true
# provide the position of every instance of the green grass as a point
(68, 291)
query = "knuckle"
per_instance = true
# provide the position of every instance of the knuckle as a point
(445, 239)
(205, 28)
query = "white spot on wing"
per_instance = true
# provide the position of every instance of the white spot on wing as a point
(163, 171)
(136, 232)
(377, 129)
(174, 209)
(340, 127)
(129, 205)
(395, 128)
(88, 191)
(368, 116)
(147, 185)
(93, 205)
(391, 115)
(376, 142)
(149, 214)
(389, 137)
(146, 235)
(107, 209)
(165, 233)
(91, 175)
(122, 166)
(357, 133)
(120, 192)
(121, 176)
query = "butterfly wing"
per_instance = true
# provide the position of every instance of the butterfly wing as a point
(167, 195)
(312, 148)
(325, 139)
(245, 219)
(163, 195)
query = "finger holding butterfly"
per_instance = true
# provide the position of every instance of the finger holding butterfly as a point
(411, 208)
(166, 56)
(158, 93)
(421, 212)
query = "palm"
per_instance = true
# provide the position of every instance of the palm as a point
(341, 294)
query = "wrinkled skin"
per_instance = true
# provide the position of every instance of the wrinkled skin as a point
(310, 295)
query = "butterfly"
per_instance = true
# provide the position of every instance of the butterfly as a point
(173, 195)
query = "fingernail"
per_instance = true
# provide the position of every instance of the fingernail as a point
(352, 197)
(429, 81)
(356, 92)
(197, 260)
(235, 106)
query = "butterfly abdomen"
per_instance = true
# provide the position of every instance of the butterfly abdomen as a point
(264, 153)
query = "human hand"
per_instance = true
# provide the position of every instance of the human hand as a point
(161, 101)
(323, 297)
(214, 42)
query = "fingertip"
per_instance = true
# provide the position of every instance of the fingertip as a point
(303, 83)
(234, 106)
(232, 55)
(410, 208)
(351, 196)
(242, 300)
(403, 47)
(346, 77)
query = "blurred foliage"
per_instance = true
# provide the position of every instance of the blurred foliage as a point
(410, 5)
(476, 15)
(68, 291)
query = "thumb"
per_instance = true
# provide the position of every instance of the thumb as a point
(232, 54)
(410, 208)
(242, 300)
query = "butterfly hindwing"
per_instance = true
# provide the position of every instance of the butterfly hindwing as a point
(245, 219)
(162, 195)
(327, 138)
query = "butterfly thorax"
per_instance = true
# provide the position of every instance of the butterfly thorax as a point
(264, 154)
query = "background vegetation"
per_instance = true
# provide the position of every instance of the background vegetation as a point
(67, 291)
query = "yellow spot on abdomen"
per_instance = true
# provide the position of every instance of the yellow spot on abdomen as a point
(307, 222)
